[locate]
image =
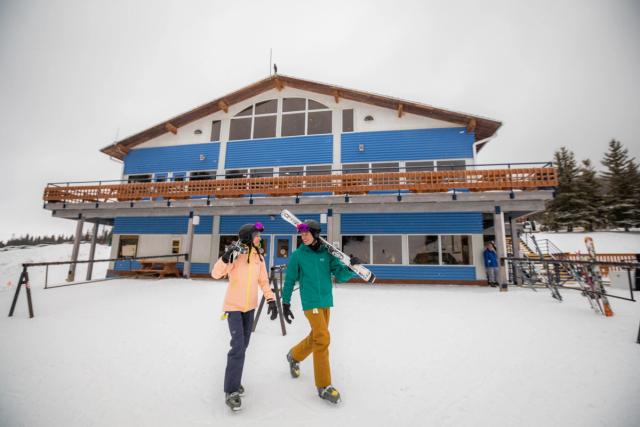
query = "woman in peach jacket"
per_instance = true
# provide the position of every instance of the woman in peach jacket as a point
(246, 272)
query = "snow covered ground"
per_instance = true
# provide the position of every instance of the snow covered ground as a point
(606, 242)
(152, 353)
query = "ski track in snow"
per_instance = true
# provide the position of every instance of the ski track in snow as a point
(152, 353)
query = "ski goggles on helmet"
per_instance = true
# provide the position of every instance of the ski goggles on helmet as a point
(259, 227)
(303, 228)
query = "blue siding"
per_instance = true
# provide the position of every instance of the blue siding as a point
(231, 224)
(418, 144)
(160, 225)
(295, 150)
(174, 158)
(406, 223)
(196, 267)
(431, 272)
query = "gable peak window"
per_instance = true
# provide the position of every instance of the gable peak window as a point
(302, 116)
(255, 121)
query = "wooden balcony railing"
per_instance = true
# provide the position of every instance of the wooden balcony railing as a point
(356, 183)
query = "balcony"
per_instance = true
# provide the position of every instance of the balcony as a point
(475, 178)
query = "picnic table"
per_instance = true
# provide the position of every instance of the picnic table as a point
(159, 268)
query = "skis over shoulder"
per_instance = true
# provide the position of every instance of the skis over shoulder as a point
(360, 270)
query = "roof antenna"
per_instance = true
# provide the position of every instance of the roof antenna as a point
(270, 59)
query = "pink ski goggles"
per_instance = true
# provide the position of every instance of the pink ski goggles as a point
(303, 228)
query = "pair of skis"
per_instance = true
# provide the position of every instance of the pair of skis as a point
(363, 272)
(594, 278)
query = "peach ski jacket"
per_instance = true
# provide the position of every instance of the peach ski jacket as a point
(244, 279)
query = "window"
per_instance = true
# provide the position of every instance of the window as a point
(128, 246)
(282, 247)
(423, 250)
(314, 105)
(267, 107)
(160, 177)
(255, 121)
(246, 112)
(319, 122)
(456, 250)
(319, 170)
(201, 175)
(357, 246)
(293, 124)
(356, 168)
(387, 249)
(347, 120)
(291, 171)
(444, 165)
(140, 178)
(261, 172)
(179, 176)
(236, 173)
(240, 129)
(264, 126)
(215, 130)
(305, 117)
(175, 246)
(419, 166)
(293, 104)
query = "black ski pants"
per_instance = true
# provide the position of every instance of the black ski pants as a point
(240, 325)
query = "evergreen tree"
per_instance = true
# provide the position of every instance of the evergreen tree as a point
(588, 198)
(621, 178)
(564, 209)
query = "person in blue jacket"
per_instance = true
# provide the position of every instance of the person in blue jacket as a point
(491, 264)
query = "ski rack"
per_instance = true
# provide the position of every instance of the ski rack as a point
(551, 281)
(576, 265)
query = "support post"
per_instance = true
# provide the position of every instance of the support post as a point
(24, 280)
(186, 270)
(501, 246)
(92, 250)
(515, 248)
(71, 276)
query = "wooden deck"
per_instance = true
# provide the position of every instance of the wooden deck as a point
(358, 183)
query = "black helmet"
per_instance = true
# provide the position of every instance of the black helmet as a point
(310, 225)
(247, 231)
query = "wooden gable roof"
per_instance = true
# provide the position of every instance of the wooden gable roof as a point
(483, 127)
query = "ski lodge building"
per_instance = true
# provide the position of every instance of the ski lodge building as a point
(394, 182)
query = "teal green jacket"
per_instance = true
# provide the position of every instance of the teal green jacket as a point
(313, 270)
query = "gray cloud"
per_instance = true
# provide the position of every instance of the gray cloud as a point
(78, 74)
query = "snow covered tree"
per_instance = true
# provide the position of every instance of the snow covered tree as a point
(564, 209)
(622, 187)
(589, 199)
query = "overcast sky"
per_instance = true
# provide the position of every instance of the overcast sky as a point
(77, 75)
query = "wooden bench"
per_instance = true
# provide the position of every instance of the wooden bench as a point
(159, 268)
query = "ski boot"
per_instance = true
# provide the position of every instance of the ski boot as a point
(294, 367)
(329, 393)
(233, 401)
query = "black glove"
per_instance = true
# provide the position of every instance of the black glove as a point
(286, 309)
(226, 256)
(354, 260)
(273, 311)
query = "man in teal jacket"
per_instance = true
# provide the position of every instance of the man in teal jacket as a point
(312, 266)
